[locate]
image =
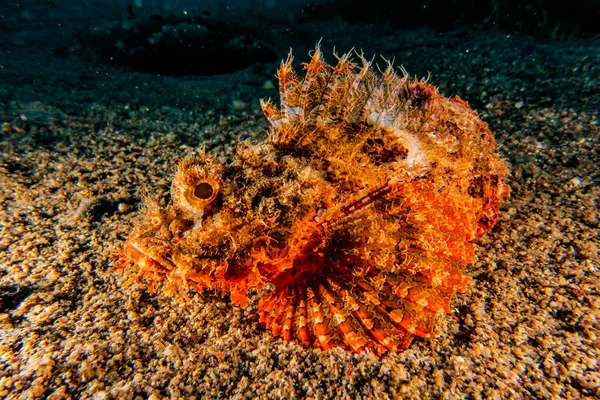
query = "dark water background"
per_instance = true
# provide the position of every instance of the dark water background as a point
(505, 43)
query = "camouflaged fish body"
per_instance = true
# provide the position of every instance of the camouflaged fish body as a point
(356, 214)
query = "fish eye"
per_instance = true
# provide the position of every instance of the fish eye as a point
(195, 187)
(204, 190)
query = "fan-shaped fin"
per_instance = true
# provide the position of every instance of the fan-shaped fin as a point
(378, 313)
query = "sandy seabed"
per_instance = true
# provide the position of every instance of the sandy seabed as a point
(82, 142)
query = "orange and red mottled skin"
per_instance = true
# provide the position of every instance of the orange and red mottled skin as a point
(357, 214)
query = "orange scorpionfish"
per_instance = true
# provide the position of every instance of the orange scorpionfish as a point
(356, 215)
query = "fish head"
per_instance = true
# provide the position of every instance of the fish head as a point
(228, 227)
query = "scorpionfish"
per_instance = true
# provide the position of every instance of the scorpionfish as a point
(355, 217)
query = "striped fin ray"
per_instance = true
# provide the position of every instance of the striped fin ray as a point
(289, 87)
(314, 87)
(374, 314)
(338, 87)
(386, 105)
(360, 91)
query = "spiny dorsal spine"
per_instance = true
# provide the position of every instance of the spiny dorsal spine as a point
(344, 93)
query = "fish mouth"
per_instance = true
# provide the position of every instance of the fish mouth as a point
(147, 264)
(157, 262)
